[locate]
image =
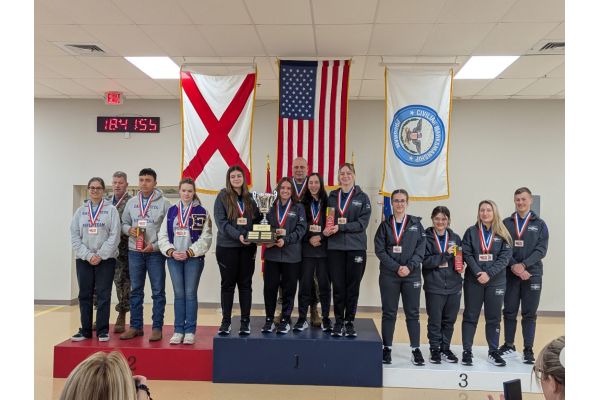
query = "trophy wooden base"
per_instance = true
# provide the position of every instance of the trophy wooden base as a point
(261, 234)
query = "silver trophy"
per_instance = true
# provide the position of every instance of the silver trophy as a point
(263, 232)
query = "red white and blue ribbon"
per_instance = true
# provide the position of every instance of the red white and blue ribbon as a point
(298, 192)
(485, 242)
(518, 229)
(144, 210)
(120, 200)
(183, 214)
(241, 207)
(441, 248)
(281, 220)
(315, 217)
(94, 216)
(344, 206)
(398, 235)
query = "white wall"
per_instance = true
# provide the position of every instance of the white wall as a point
(495, 146)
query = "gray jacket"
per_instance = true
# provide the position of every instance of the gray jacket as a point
(535, 238)
(353, 234)
(156, 214)
(105, 243)
(228, 231)
(295, 229)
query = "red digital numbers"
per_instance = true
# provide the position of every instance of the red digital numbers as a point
(153, 127)
(129, 124)
(140, 125)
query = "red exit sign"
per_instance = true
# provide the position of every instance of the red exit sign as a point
(113, 98)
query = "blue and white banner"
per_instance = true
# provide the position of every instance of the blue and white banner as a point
(418, 105)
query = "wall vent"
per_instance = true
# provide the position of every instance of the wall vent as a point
(548, 47)
(81, 49)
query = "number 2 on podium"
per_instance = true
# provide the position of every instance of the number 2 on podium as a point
(463, 381)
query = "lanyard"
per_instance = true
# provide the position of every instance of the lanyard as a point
(441, 248)
(520, 230)
(94, 215)
(485, 240)
(343, 207)
(398, 235)
(144, 209)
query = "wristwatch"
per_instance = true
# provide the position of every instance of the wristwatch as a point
(143, 387)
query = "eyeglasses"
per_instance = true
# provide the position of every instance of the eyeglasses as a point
(399, 201)
(95, 188)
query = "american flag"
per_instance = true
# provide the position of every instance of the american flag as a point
(313, 105)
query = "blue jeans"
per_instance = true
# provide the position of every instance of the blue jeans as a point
(185, 276)
(154, 263)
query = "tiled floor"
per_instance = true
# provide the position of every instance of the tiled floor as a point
(55, 324)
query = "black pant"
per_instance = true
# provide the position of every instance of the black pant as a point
(346, 269)
(477, 295)
(236, 265)
(310, 267)
(285, 275)
(391, 286)
(527, 293)
(442, 310)
(100, 278)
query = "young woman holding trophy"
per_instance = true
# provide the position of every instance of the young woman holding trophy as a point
(442, 269)
(283, 258)
(234, 214)
(400, 247)
(314, 254)
(347, 248)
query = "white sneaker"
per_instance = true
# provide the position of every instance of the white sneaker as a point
(189, 338)
(177, 338)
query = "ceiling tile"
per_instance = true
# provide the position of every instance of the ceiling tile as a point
(354, 87)
(388, 39)
(125, 40)
(498, 97)
(178, 40)
(468, 87)
(454, 39)
(373, 68)
(101, 86)
(344, 11)
(532, 66)
(266, 67)
(411, 11)
(69, 66)
(513, 38)
(66, 86)
(373, 88)
(280, 11)
(240, 40)
(559, 95)
(341, 40)
(357, 67)
(170, 85)
(41, 90)
(212, 12)
(558, 33)
(44, 13)
(63, 33)
(558, 72)
(201, 60)
(41, 71)
(505, 87)
(471, 11)
(88, 11)
(43, 48)
(157, 12)
(544, 87)
(277, 39)
(114, 67)
(143, 87)
(268, 89)
(536, 11)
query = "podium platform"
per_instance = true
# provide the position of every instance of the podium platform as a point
(155, 360)
(311, 357)
(480, 376)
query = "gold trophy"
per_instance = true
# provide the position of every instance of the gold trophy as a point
(263, 233)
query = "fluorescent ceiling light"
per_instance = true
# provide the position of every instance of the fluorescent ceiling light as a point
(485, 67)
(156, 67)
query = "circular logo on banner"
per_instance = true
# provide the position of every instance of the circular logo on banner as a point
(417, 134)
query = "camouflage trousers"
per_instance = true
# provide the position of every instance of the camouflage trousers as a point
(122, 285)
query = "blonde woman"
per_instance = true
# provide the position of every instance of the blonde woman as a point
(487, 252)
(104, 376)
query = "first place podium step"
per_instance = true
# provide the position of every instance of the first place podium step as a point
(311, 357)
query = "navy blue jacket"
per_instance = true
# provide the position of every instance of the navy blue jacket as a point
(308, 250)
(353, 234)
(496, 268)
(440, 280)
(535, 238)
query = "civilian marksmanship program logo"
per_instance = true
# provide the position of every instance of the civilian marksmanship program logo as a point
(417, 134)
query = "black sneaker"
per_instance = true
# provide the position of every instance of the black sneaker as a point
(283, 327)
(244, 327)
(417, 357)
(78, 337)
(349, 329)
(435, 356)
(507, 351)
(449, 357)
(225, 328)
(269, 326)
(387, 355)
(300, 325)
(467, 358)
(103, 337)
(496, 359)
(326, 325)
(528, 357)
(338, 329)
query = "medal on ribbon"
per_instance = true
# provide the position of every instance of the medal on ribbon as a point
(343, 205)
(241, 208)
(144, 208)
(93, 216)
(519, 230)
(398, 235)
(299, 191)
(444, 247)
(485, 241)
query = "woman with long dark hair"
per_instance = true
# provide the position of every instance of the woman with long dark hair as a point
(234, 214)
(314, 254)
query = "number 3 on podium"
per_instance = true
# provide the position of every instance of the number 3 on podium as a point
(463, 381)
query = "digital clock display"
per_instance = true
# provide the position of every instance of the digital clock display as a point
(128, 124)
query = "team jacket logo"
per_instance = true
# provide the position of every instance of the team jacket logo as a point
(417, 134)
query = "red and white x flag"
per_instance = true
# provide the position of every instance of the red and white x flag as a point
(217, 126)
